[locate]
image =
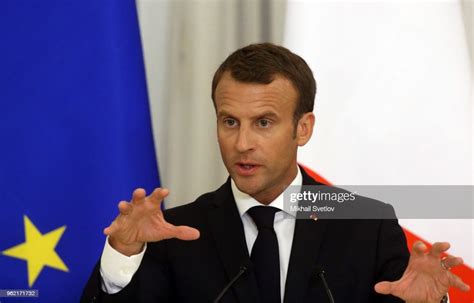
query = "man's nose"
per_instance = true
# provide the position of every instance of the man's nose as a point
(245, 140)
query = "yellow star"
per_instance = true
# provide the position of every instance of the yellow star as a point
(38, 250)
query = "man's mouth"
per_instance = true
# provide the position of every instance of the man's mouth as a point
(246, 169)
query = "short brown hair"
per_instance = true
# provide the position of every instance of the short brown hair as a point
(260, 63)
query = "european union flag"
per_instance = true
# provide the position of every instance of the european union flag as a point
(75, 138)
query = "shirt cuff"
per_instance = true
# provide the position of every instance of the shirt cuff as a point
(117, 269)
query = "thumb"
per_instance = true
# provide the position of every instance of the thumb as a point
(186, 233)
(384, 287)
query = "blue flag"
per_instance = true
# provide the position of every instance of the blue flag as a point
(75, 135)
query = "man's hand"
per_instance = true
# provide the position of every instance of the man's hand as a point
(427, 277)
(141, 220)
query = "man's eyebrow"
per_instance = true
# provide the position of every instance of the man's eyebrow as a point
(267, 114)
(223, 113)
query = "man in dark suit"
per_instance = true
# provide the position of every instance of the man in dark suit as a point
(242, 234)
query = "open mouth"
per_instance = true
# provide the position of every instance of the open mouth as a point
(246, 169)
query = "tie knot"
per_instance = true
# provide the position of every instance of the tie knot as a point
(263, 216)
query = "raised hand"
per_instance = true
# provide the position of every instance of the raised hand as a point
(141, 220)
(427, 277)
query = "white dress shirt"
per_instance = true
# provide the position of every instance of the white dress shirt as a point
(117, 270)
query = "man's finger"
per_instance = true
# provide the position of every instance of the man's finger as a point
(110, 229)
(438, 248)
(459, 283)
(185, 233)
(419, 249)
(450, 261)
(384, 287)
(138, 195)
(159, 194)
(125, 208)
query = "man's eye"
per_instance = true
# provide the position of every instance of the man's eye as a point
(264, 123)
(230, 122)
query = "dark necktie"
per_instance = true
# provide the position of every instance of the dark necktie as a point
(265, 254)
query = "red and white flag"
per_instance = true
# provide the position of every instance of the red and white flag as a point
(394, 103)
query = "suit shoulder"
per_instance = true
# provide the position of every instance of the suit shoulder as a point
(202, 201)
(193, 211)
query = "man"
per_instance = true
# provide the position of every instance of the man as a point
(241, 234)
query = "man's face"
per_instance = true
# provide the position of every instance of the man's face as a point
(256, 135)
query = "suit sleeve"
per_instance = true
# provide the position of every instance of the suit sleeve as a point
(392, 255)
(150, 283)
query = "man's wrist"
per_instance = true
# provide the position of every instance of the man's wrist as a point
(126, 249)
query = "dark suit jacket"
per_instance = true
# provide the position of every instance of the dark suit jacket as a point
(355, 254)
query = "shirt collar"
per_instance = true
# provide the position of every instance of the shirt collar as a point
(245, 202)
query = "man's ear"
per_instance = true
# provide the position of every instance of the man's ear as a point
(304, 128)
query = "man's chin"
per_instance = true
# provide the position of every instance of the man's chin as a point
(246, 185)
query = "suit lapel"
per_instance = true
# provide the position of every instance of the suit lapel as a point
(228, 233)
(307, 240)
